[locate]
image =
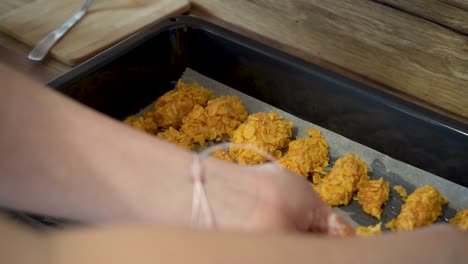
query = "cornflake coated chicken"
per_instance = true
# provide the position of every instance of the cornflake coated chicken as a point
(171, 107)
(307, 155)
(461, 219)
(422, 207)
(317, 178)
(144, 123)
(266, 131)
(217, 121)
(177, 137)
(367, 231)
(372, 194)
(401, 191)
(222, 155)
(341, 183)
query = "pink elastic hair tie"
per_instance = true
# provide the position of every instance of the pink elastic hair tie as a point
(202, 213)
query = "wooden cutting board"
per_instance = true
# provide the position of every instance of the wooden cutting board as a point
(107, 22)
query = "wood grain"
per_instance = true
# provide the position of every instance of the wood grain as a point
(434, 10)
(398, 50)
(107, 22)
(462, 4)
(14, 54)
(10, 5)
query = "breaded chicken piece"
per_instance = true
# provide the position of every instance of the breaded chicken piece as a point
(222, 155)
(136, 122)
(317, 178)
(401, 191)
(422, 207)
(307, 155)
(339, 186)
(171, 107)
(461, 219)
(266, 131)
(217, 121)
(367, 231)
(144, 123)
(372, 194)
(177, 137)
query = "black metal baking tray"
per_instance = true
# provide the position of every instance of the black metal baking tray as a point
(132, 74)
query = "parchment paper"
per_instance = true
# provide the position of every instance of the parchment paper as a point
(380, 165)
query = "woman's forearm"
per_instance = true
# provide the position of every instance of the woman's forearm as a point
(60, 158)
(146, 245)
(140, 244)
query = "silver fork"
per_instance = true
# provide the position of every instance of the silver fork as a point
(42, 48)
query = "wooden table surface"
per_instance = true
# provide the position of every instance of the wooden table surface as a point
(415, 49)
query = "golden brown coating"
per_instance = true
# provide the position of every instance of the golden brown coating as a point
(175, 104)
(422, 207)
(177, 137)
(367, 231)
(372, 194)
(222, 155)
(266, 131)
(307, 155)
(401, 191)
(144, 123)
(461, 219)
(217, 121)
(317, 178)
(338, 187)
(136, 122)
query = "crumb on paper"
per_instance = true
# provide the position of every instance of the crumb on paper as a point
(339, 186)
(307, 156)
(177, 137)
(367, 231)
(372, 195)
(460, 219)
(217, 121)
(171, 107)
(421, 208)
(401, 191)
(269, 132)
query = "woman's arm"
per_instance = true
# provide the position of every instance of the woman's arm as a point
(436, 244)
(63, 159)
(60, 158)
(441, 244)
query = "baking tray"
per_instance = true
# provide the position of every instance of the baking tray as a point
(380, 165)
(129, 76)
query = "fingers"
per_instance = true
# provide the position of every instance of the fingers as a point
(322, 220)
(337, 226)
(297, 206)
(319, 217)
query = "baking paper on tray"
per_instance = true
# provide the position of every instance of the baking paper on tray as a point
(380, 165)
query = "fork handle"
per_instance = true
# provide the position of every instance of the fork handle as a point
(42, 48)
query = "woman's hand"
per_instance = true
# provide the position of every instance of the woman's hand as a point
(268, 197)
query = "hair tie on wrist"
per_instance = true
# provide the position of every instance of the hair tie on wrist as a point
(202, 213)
